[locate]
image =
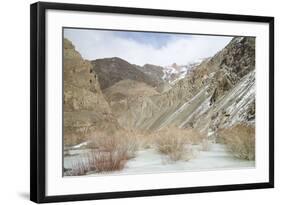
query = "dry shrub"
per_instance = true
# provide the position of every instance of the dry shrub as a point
(78, 168)
(239, 140)
(176, 143)
(112, 160)
(99, 161)
(111, 150)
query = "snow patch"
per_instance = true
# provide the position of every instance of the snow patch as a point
(174, 73)
(79, 145)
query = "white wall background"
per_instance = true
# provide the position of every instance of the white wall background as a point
(14, 100)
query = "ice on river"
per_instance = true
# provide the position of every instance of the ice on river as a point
(150, 161)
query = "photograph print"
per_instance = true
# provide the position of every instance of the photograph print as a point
(138, 102)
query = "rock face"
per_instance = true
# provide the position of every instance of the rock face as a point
(85, 108)
(217, 93)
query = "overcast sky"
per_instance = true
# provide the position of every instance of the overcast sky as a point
(144, 47)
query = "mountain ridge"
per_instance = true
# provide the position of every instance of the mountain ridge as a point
(208, 84)
(113, 70)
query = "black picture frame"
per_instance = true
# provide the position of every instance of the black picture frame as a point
(38, 101)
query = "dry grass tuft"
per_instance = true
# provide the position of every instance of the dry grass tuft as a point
(110, 151)
(112, 160)
(176, 143)
(239, 140)
(78, 168)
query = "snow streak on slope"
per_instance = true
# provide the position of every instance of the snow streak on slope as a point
(239, 99)
(187, 108)
(231, 108)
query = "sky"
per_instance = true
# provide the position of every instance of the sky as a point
(145, 47)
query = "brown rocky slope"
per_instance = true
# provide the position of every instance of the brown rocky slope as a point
(85, 109)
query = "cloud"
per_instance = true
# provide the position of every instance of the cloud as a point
(180, 49)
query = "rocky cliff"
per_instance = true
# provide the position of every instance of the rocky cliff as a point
(85, 108)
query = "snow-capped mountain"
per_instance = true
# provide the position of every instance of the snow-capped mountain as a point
(174, 72)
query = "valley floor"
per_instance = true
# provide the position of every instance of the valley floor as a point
(150, 161)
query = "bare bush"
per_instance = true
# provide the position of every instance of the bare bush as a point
(239, 140)
(78, 168)
(102, 161)
(176, 143)
(110, 151)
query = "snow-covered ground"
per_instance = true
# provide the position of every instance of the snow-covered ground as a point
(150, 161)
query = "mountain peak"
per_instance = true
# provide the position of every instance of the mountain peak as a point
(113, 70)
